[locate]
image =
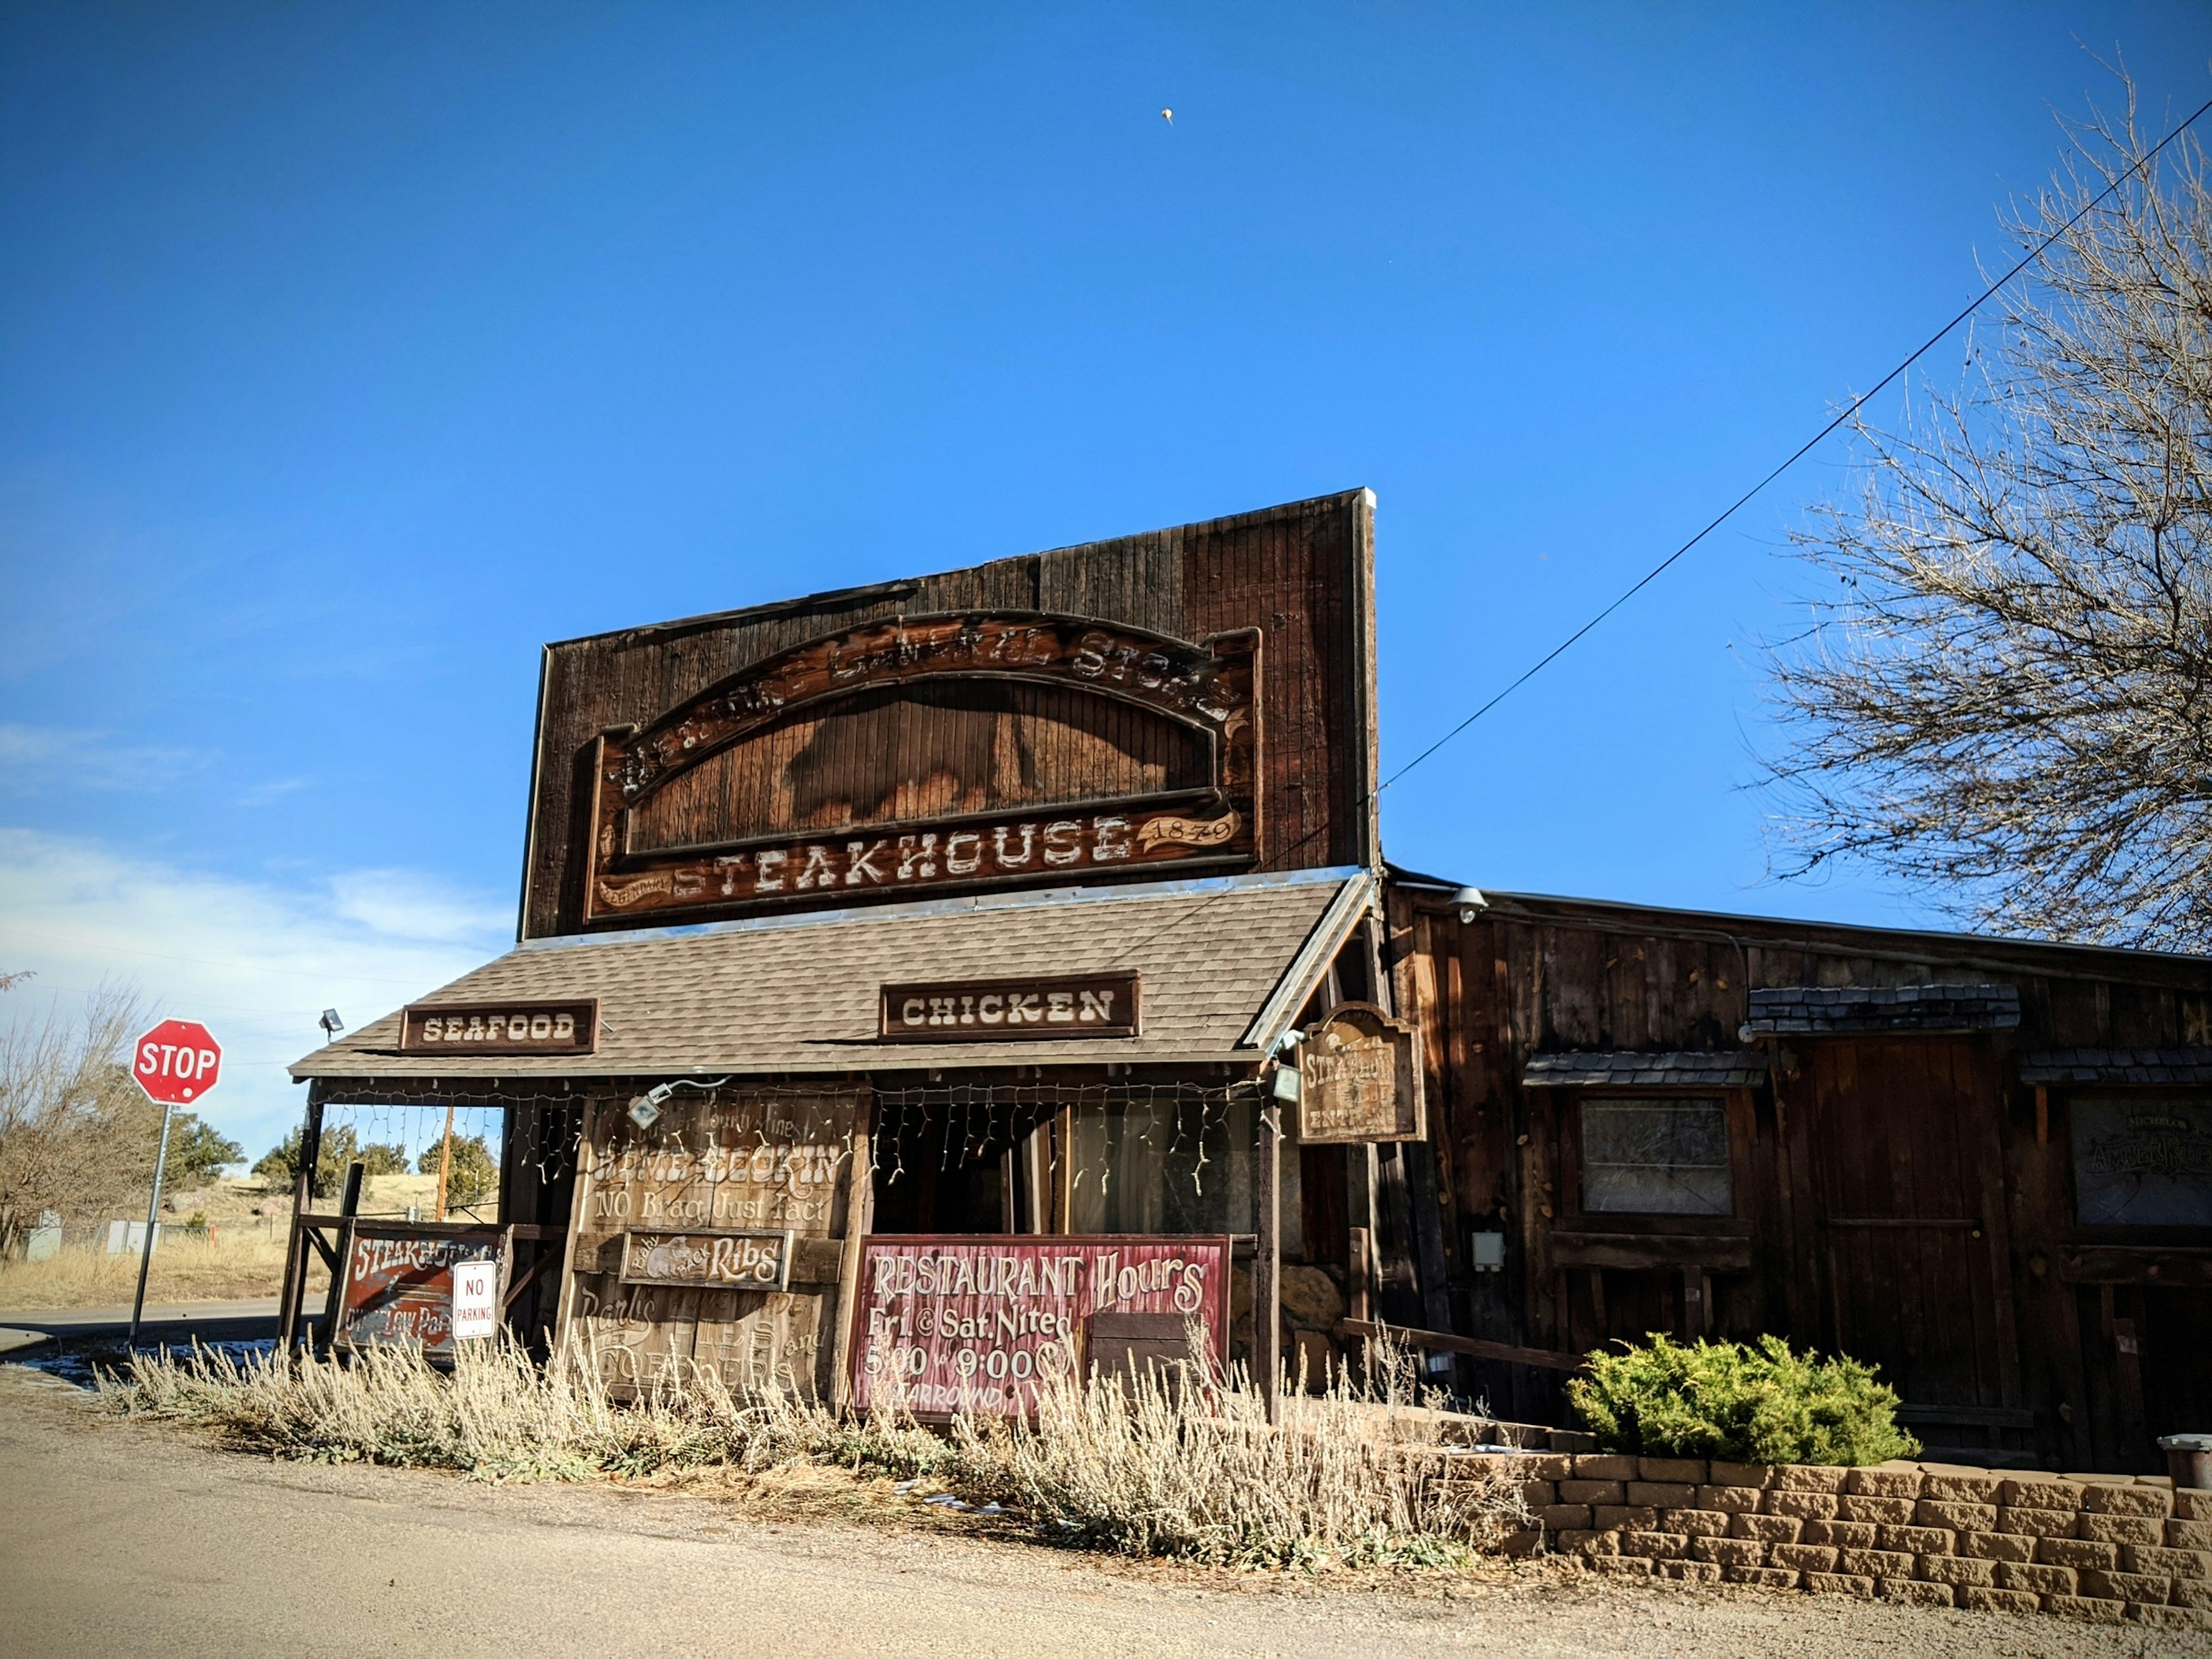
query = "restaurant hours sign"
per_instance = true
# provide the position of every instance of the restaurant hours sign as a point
(975, 1324)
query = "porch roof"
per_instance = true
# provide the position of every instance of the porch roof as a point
(1225, 964)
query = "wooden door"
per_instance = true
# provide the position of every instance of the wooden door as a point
(1908, 1216)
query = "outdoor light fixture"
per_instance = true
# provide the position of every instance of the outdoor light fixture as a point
(645, 1111)
(1468, 900)
(331, 1024)
(1286, 1084)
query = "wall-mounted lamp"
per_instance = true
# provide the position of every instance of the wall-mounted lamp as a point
(645, 1111)
(1468, 900)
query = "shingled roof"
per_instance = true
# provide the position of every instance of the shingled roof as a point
(1730, 1068)
(2140, 1066)
(1225, 964)
(1814, 1009)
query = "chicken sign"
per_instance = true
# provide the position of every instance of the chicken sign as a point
(176, 1062)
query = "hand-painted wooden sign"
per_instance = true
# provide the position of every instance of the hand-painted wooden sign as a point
(731, 1163)
(1012, 1010)
(948, 1324)
(501, 1028)
(1360, 1079)
(399, 1284)
(931, 753)
(709, 1261)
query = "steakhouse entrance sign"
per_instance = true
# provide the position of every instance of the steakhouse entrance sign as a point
(954, 1323)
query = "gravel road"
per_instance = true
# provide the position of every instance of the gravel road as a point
(118, 1538)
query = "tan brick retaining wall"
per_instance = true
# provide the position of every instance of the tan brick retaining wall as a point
(2105, 1547)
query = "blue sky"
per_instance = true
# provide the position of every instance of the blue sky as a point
(347, 353)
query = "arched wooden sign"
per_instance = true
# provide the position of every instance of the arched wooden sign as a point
(931, 754)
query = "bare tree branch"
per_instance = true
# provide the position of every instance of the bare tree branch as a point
(2009, 697)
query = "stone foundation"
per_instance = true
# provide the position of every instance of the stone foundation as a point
(2104, 1547)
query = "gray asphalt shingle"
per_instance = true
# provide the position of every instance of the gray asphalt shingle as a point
(797, 994)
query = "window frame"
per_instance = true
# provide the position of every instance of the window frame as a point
(1736, 1222)
(2141, 1233)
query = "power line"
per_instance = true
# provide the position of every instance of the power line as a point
(1728, 512)
(1797, 454)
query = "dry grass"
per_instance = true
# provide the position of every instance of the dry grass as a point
(238, 1263)
(1139, 1465)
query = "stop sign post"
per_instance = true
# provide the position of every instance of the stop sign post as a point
(175, 1063)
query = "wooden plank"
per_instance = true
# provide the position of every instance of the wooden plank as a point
(1474, 1347)
(860, 1189)
(1636, 1252)
(1999, 1417)
(1267, 1259)
(348, 1208)
(1986, 1084)
(2175, 1268)
(295, 1267)
(531, 1275)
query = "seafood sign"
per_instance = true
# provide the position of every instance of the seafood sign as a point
(501, 1028)
(399, 1286)
(959, 1324)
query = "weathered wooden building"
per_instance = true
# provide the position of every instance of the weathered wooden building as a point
(1984, 1164)
(994, 905)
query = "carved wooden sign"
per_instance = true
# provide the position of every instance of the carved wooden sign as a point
(928, 754)
(709, 1261)
(1360, 1079)
(501, 1028)
(959, 1323)
(1012, 1010)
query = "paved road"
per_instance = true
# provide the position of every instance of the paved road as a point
(246, 1319)
(252, 1307)
(125, 1540)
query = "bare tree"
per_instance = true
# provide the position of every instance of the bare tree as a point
(2007, 696)
(76, 1135)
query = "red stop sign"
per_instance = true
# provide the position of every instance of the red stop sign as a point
(176, 1061)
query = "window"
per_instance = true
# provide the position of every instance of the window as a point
(2141, 1160)
(1656, 1157)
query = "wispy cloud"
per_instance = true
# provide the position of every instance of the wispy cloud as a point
(404, 904)
(257, 961)
(35, 758)
(262, 793)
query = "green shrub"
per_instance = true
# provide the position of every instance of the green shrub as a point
(1748, 1405)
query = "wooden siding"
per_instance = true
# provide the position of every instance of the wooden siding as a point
(885, 756)
(1903, 1197)
(1302, 574)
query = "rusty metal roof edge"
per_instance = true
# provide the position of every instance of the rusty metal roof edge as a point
(1305, 968)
